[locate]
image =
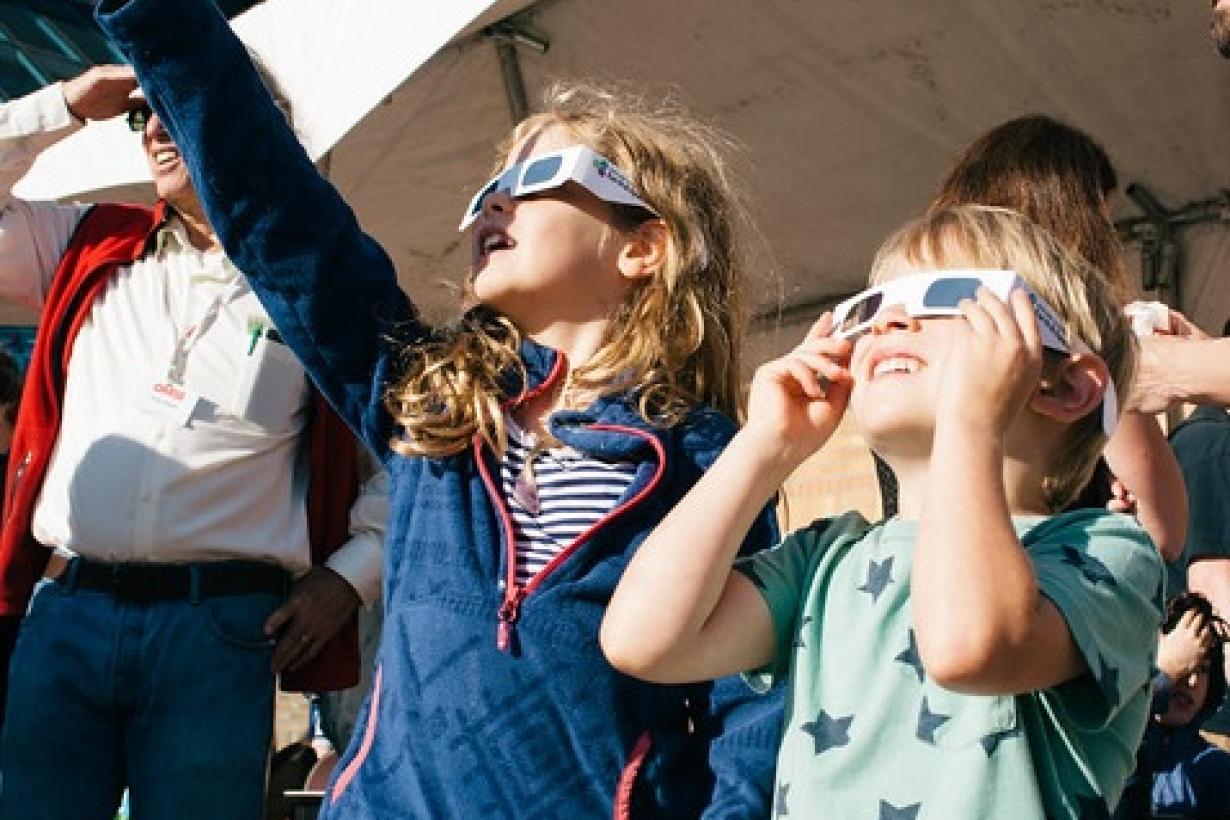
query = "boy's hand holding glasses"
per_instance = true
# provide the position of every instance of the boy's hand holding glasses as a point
(992, 364)
(797, 401)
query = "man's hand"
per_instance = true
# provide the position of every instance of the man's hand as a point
(318, 605)
(1154, 390)
(102, 92)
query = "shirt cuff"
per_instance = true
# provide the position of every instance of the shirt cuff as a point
(359, 562)
(44, 111)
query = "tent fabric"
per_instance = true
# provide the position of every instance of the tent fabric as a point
(848, 114)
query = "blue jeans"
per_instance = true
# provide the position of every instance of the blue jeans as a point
(172, 699)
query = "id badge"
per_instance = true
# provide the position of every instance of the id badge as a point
(170, 402)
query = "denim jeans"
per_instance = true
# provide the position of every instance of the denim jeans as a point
(172, 699)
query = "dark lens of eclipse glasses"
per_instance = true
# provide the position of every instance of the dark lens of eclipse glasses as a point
(948, 293)
(862, 312)
(541, 170)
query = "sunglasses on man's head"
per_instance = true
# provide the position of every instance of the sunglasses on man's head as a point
(138, 118)
(577, 163)
(939, 293)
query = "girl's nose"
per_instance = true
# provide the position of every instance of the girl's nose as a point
(498, 201)
(893, 317)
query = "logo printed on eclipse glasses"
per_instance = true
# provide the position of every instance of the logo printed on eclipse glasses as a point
(608, 171)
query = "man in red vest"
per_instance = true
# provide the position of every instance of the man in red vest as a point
(182, 519)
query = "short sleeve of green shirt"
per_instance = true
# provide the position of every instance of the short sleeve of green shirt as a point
(783, 575)
(1104, 575)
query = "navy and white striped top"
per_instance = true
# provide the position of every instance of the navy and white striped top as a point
(573, 492)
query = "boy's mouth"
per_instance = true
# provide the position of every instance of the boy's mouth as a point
(893, 363)
(896, 364)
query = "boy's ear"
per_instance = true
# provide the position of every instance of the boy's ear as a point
(644, 249)
(1072, 389)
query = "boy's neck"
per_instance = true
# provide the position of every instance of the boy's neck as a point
(1022, 485)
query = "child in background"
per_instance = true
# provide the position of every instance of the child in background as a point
(1178, 772)
(530, 448)
(979, 656)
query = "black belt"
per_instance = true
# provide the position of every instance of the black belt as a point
(145, 582)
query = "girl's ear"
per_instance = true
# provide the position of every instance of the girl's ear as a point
(1073, 389)
(644, 249)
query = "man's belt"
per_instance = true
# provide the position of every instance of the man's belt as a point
(142, 582)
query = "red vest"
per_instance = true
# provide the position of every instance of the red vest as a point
(110, 237)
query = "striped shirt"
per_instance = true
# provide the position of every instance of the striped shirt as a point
(570, 490)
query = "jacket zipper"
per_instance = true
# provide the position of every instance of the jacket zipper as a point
(514, 594)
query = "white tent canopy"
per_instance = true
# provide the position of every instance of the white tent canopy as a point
(849, 112)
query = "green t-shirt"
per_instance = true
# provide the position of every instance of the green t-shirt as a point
(869, 735)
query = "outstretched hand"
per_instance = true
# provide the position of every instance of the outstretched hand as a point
(798, 400)
(102, 92)
(993, 364)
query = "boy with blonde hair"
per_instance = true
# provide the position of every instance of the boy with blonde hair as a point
(979, 656)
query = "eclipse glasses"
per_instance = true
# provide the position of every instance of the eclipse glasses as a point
(928, 295)
(576, 163)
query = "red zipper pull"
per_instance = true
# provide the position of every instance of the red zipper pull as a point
(510, 611)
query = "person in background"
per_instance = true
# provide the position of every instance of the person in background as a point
(1179, 774)
(1060, 178)
(1201, 444)
(193, 511)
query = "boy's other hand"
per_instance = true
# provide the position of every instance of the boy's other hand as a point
(797, 401)
(1182, 650)
(993, 364)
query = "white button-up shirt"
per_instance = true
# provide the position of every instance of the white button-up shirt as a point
(126, 483)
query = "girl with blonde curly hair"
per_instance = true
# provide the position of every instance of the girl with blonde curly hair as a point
(531, 446)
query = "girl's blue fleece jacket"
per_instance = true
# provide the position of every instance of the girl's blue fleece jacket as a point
(490, 700)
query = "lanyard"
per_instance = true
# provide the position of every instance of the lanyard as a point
(196, 329)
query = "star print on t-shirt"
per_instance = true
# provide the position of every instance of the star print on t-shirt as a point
(879, 576)
(828, 732)
(928, 722)
(910, 657)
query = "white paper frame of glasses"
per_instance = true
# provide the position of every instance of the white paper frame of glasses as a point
(917, 295)
(576, 163)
